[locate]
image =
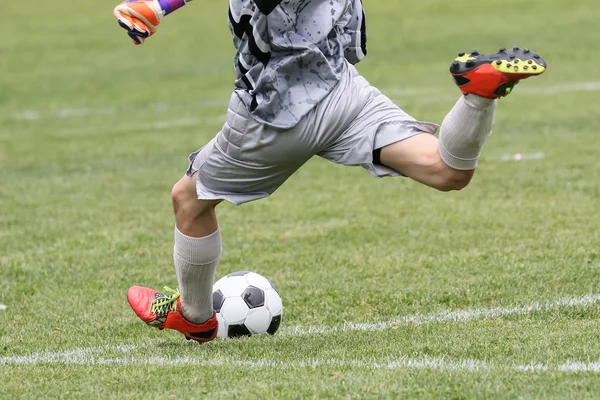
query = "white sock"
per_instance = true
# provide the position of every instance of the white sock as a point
(196, 260)
(465, 129)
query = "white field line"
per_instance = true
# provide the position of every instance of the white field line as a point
(522, 157)
(150, 126)
(2, 307)
(542, 90)
(33, 115)
(89, 356)
(409, 93)
(444, 317)
(74, 356)
(431, 98)
(563, 88)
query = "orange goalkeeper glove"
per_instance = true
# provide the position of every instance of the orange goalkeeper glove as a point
(140, 18)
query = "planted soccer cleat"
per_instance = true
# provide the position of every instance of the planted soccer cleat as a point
(162, 310)
(495, 75)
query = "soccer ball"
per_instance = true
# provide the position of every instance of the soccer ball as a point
(246, 304)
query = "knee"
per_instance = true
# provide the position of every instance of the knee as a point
(186, 204)
(454, 179)
(183, 196)
(178, 194)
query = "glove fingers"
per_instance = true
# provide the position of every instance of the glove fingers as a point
(140, 11)
(143, 12)
(124, 20)
(139, 18)
(137, 40)
(133, 25)
(140, 29)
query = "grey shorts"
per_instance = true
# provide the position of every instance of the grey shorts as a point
(247, 161)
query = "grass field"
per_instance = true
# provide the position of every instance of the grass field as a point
(390, 289)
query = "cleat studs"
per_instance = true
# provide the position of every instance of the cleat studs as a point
(512, 57)
(517, 61)
(455, 66)
(499, 62)
(508, 65)
(534, 67)
(536, 56)
(525, 50)
(502, 50)
(470, 64)
(530, 62)
(516, 68)
(525, 67)
(462, 53)
(474, 53)
(516, 48)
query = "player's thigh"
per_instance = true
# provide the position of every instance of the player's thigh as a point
(418, 157)
(379, 123)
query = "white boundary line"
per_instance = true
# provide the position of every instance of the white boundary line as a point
(61, 113)
(88, 356)
(2, 307)
(408, 93)
(81, 355)
(444, 317)
(431, 98)
(522, 157)
(150, 126)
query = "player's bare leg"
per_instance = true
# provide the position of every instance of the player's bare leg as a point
(197, 248)
(193, 217)
(195, 254)
(449, 163)
(418, 157)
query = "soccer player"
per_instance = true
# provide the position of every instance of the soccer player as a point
(297, 94)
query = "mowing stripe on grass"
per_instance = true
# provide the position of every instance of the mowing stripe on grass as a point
(32, 115)
(444, 317)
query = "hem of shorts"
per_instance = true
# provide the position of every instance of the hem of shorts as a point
(236, 199)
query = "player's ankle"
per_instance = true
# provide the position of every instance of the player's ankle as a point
(476, 101)
(194, 315)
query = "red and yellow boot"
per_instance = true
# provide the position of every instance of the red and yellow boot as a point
(162, 311)
(495, 75)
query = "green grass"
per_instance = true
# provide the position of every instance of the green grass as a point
(94, 132)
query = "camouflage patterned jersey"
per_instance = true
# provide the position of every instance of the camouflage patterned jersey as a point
(290, 53)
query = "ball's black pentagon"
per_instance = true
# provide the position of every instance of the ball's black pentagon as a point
(238, 331)
(254, 297)
(274, 326)
(238, 273)
(218, 300)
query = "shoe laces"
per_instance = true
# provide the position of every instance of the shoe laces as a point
(165, 303)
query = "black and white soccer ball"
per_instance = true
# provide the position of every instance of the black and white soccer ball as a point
(246, 304)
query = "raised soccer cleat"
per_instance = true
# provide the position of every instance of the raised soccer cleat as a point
(162, 310)
(495, 75)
